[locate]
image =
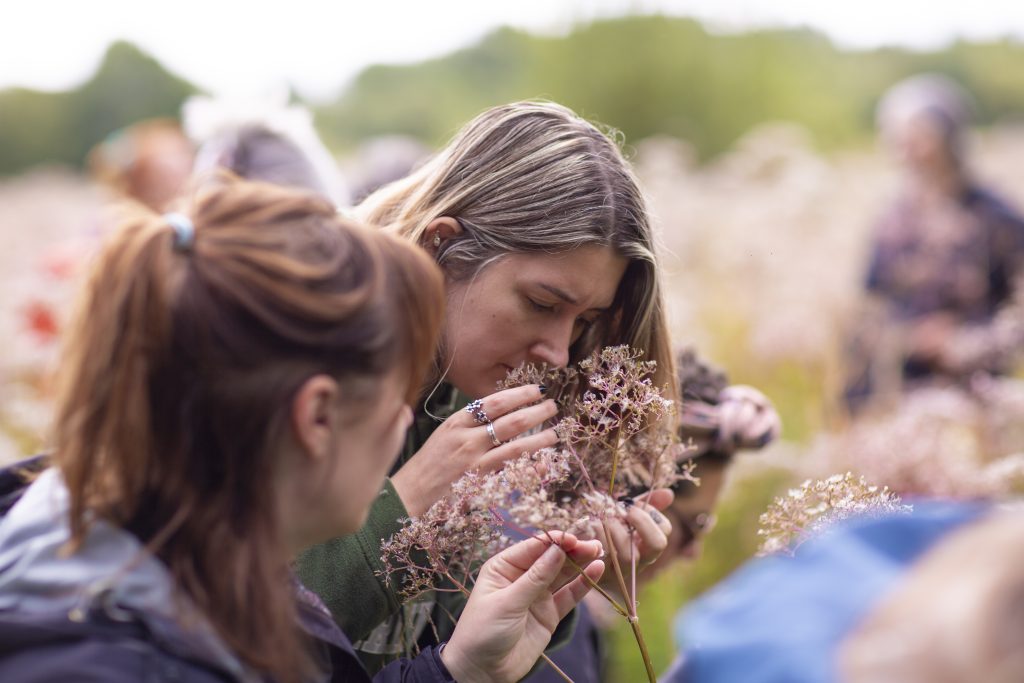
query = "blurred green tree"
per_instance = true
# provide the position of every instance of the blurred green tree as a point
(39, 127)
(643, 75)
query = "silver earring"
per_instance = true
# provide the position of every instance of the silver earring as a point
(437, 241)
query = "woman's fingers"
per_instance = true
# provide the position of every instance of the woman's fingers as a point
(747, 418)
(652, 530)
(496, 457)
(659, 499)
(503, 402)
(523, 420)
(619, 535)
(548, 573)
(644, 531)
(581, 555)
(570, 595)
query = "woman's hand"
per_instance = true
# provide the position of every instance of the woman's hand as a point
(746, 419)
(461, 443)
(643, 534)
(519, 597)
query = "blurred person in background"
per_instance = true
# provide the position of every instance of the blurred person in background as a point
(717, 420)
(265, 139)
(149, 161)
(946, 259)
(382, 160)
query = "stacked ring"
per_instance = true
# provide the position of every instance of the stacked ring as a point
(476, 409)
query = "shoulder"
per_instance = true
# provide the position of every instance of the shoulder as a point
(55, 656)
(16, 477)
(993, 207)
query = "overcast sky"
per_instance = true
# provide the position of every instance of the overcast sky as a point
(228, 46)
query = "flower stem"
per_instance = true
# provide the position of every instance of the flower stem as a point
(615, 467)
(554, 666)
(605, 594)
(634, 622)
(635, 625)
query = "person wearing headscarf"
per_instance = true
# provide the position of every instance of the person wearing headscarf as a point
(946, 257)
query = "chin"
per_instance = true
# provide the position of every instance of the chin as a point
(353, 523)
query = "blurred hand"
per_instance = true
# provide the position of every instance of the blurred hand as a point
(929, 335)
(746, 419)
(519, 597)
(461, 444)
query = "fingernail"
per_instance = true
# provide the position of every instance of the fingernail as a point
(656, 516)
(627, 501)
(543, 388)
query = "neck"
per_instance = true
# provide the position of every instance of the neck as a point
(945, 180)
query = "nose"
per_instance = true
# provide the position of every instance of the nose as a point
(552, 347)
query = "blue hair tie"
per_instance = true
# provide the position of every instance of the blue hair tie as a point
(184, 230)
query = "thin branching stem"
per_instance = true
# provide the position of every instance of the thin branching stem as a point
(634, 622)
(565, 676)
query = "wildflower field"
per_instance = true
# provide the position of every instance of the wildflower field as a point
(764, 247)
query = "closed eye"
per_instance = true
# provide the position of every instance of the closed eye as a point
(537, 306)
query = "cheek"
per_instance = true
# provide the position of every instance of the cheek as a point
(485, 334)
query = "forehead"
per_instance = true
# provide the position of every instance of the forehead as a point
(590, 274)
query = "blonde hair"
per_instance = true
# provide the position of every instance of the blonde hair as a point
(535, 177)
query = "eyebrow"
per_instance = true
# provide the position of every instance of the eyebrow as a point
(565, 296)
(561, 294)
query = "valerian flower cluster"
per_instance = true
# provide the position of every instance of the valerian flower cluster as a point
(616, 437)
(817, 504)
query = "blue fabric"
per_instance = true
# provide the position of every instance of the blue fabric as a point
(780, 619)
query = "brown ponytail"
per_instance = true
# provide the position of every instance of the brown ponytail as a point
(180, 369)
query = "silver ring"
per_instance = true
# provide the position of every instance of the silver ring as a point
(494, 437)
(476, 409)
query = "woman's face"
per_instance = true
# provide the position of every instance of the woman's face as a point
(369, 440)
(921, 144)
(525, 308)
(345, 438)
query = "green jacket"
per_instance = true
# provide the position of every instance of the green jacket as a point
(347, 572)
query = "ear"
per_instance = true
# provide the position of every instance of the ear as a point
(439, 230)
(314, 415)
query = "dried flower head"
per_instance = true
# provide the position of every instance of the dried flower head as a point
(816, 505)
(616, 435)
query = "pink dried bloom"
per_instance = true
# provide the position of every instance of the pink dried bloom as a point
(616, 437)
(816, 505)
(562, 383)
(467, 526)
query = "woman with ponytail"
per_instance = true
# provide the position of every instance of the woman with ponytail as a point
(233, 391)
